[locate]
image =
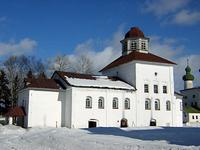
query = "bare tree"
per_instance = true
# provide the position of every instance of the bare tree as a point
(16, 69)
(60, 63)
(83, 64)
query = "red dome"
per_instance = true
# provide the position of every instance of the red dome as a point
(134, 32)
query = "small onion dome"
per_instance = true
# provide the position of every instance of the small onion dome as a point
(134, 32)
(188, 75)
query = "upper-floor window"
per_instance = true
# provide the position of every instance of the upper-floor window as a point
(147, 104)
(168, 105)
(127, 103)
(157, 104)
(155, 87)
(133, 45)
(101, 103)
(143, 45)
(193, 96)
(115, 103)
(88, 103)
(164, 89)
(146, 88)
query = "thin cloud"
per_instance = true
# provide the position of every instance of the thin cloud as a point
(25, 45)
(164, 7)
(165, 47)
(186, 17)
(104, 56)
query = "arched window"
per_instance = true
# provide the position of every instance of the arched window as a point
(101, 103)
(127, 103)
(168, 105)
(115, 103)
(88, 103)
(157, 104)
(147, 104)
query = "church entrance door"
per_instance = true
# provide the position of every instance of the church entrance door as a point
(92, 124)
(124, 123)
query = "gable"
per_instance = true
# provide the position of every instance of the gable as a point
(137, 56)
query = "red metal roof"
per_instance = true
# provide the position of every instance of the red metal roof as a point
(41, 83)
(75, 75)
(16, 112)
(136, 56)
(134, 32)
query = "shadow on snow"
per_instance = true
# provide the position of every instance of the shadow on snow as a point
(185, 136)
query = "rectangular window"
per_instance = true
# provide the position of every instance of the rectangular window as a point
(196, 117)
(146, 88)
(164, 89)
(155, 88)
(192, 117)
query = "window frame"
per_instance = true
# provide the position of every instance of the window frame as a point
(116, 104)
(157, 104)
(127, 103)
(155, 88)
(88, 102)
(147, 104)
(146, 88)
(101, 103)
(168, 105)
(164, 89)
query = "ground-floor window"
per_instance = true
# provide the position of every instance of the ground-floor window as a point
(115, 103)
(157, 104)
(168, 105)
(147, 104)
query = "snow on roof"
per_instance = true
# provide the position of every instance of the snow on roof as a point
(99, 82)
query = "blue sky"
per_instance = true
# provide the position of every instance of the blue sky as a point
(45, 28)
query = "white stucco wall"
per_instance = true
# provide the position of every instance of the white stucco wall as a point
(43, 107)
(194, 117)
(178, 112)
(138, 73)
(107, 117)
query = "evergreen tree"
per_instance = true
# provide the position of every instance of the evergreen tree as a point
(4, 90)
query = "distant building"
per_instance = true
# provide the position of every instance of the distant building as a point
(191, 99)
(136, 89)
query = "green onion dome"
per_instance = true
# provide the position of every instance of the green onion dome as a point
(188, 75)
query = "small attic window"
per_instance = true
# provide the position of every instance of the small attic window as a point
(133, 45)
(143, 46)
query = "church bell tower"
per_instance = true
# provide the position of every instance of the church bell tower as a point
(135, 40)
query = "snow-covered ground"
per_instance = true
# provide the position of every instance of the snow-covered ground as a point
(159, 138)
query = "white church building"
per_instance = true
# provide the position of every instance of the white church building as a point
(136, 89)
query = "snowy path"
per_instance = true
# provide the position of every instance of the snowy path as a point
(15, 138)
